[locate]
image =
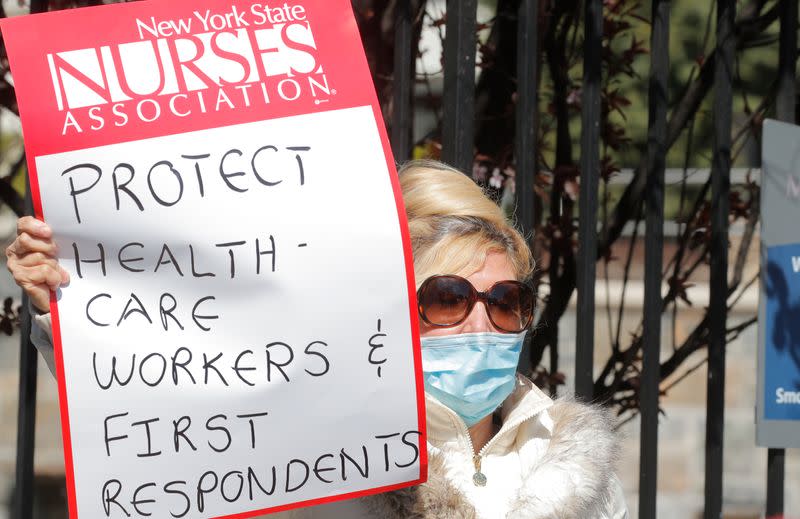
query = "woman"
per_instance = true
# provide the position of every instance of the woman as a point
(498, 446)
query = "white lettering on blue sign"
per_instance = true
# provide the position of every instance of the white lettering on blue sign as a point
(796, 264)
(787, 397)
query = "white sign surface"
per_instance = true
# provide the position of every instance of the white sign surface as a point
(248, 340)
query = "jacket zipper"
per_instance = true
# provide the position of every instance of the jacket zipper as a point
(479, 478)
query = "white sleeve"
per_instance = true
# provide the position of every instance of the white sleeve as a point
(42, 337)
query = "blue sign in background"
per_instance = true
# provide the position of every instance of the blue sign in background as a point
(782, 377)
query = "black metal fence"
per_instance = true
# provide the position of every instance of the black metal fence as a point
(457, 139)
(457, 142)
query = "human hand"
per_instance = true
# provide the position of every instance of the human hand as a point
(32, 261)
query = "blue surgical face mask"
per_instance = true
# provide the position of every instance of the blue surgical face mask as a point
(471, 373)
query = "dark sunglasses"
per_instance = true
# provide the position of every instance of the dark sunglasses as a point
(446, 301)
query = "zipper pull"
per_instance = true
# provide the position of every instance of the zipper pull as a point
(479, 478)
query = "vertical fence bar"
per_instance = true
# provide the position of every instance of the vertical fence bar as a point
(720, 191)
(26, 406)
(404, 57)
(654, 249)
(587, 203)
(785, 111)
(526, 116)
(776, 470)
(526, 122)
(786, 97)
(26, 409)
(458, 126)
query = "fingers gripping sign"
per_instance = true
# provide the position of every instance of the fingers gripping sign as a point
(32, 261)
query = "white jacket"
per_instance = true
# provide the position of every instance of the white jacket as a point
(550, 460)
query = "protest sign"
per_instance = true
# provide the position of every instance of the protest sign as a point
(239, 333)
(778, 401)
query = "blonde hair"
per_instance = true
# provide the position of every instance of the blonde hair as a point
(454, 225)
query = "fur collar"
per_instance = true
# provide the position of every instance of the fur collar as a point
(577, 467)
